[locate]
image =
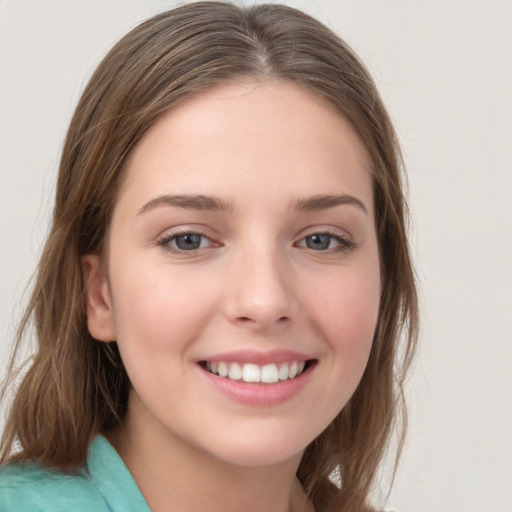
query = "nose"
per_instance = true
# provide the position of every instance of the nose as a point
(261, 292)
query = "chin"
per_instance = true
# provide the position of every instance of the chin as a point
(260, 457)
(257, 450)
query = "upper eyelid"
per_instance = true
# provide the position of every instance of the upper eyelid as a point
(327, 230)
(197, 229)
(171, 232)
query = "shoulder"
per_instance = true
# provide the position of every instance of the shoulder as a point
(32, 488)
(103, 485)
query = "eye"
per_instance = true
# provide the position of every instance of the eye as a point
(185, 242)
(326, 242)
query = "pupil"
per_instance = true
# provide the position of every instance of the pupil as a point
(188, 242)
(318, 242)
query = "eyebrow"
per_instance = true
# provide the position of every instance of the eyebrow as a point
(212, 203)
(189, 202)
(323, 202)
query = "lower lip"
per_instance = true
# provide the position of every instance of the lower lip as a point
(259, 394)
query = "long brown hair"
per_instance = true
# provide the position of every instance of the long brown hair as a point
(75, 387)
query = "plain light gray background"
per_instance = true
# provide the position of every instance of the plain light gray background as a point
(444, 68)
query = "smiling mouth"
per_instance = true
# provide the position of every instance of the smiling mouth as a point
(267, 374)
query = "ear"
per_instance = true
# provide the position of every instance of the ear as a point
(100, 316)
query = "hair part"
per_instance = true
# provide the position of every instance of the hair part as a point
(76, 387)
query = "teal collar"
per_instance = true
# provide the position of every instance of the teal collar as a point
(111, 477)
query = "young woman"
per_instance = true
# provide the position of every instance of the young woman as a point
(220, 300)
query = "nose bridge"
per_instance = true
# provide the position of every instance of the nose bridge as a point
(261, 291)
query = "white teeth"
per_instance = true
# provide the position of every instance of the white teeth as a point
(269, 373)
(235, 371)
(223, 370)
(249, 372)
(292, 372)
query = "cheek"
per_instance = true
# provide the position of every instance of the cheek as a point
(343, 313)
(158, 310)
(346, 314)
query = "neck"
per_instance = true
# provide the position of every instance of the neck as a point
(174, 476)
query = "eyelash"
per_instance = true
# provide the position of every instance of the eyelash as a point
(345, 245)
(165, 242)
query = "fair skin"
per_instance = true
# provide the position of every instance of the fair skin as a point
(242, 241)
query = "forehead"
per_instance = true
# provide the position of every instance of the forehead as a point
(237, 135)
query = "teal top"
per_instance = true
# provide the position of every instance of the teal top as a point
(104, 485)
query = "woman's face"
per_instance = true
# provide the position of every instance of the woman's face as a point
(242, 281)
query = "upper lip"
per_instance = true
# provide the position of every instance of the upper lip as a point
(257, 357)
